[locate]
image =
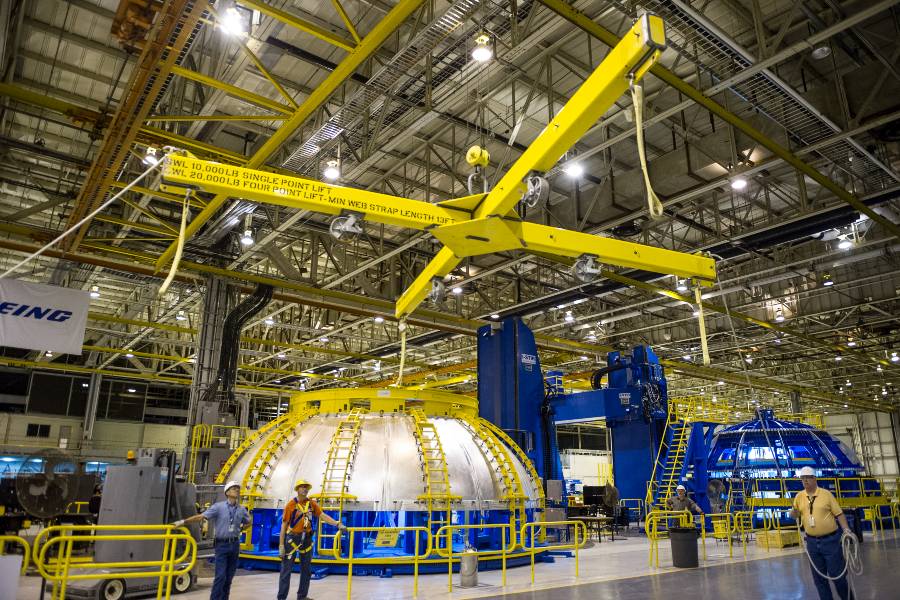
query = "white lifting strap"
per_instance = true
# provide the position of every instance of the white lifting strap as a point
(402, 328)
(179, 248)
(654, 206)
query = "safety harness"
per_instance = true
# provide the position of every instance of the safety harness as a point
(297, 516)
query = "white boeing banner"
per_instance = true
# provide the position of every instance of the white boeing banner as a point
(42, 317)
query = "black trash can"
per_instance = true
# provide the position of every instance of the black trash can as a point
(684, 547)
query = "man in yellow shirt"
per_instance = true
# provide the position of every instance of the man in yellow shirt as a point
(820, 514)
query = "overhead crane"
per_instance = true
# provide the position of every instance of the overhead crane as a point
(480, 223)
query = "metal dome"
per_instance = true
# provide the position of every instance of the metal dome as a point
(766, 446)
(384, 468)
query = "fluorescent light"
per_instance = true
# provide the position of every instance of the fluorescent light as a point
(131, 390)
(482, 51)
(838, 358)
(95, 291)
(845, 244)
(379, 319)
(574, 169)
(457, 290)
(851, 343)
(129, 355)
(180, 316)
(247, 238)
(738, 183)
(332, 170)
(495, 316)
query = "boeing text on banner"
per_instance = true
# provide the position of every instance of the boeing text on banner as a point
(35, 316)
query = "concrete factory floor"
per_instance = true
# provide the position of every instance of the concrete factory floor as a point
(609, 570)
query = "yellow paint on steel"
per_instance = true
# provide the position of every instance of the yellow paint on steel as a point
(362, 52)
(414, 560)
(248, 442)
(304, 194)
(438, 497)
(346, 19)
(263, 461)
(65, 537)
(447, 530)
(232, 90)
(610, 39)
(338, 463)
(211, 118)
(577, 526)
(302, 24)
(26, 548)
(626, 63)
(433, 402)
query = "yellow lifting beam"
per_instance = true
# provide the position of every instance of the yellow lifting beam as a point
(481, 223)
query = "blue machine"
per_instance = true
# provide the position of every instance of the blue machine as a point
(513, 395)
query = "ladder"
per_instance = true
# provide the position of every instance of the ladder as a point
(341, 452)
(496, 452)
(437, 496)
(264, 460)
(249, 441)
(678, 435)
(523, 458)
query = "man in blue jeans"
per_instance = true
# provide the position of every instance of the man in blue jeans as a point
(297, 537)
(228, 518)
(818, 510)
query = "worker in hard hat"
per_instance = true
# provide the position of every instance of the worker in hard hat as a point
(820, 514)
(297, 538)
(229, 518)
(680, 501)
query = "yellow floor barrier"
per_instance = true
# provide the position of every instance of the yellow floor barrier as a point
(654, 533)
(65, 536)
(26, 548)
(575, 545)
(350, 561)
(505, 535)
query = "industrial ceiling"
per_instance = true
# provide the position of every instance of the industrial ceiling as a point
(772, 135)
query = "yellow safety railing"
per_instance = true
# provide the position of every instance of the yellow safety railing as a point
(505, 535)
(245, 445)
(722, 529)
(637, 504)
(531, 548)
(350, 560)
(699, 408)
(26, 548)
(77, 505)
(263, 460)
(657, 526)
(63, 537)
(202, 437)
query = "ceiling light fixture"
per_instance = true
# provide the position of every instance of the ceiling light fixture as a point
(95, 291)
(569, 317)
(129, 355)
(269, 321)
(681, 285)
(820, 52)
(845, 244)
(379, 320)
(894, 357)
(738, 183)
(482, 52)
(495, 316)
(282, 355)
(827, 281)
(150, 157)
(131, 390)
(231, 22)
(457, 290)
(247, 238)
(574, 169)
(48, 353)
(180, 316)
(721, 382)
(838, 358)
(332, 170)
(324, 338)
(779, 315)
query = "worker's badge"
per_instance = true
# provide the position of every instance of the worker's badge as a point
(812, 521)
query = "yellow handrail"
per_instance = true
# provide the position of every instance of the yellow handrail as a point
(78, 504)
(351, 531)
(654, 533)
(543, 525)
(505, 534)
(26, 554)
(718, 532)
(60, 573)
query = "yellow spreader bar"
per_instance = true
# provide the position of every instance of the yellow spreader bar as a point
(481, 223)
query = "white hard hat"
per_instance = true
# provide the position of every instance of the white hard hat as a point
(231, 484)
(806, 472)
(681, 487)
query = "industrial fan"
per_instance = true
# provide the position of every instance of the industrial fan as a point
(716, 494)
(47, 483)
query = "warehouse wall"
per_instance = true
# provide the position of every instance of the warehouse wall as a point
(112, 439)
(585, 465)
(872, 436)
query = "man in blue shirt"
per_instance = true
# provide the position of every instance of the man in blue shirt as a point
(228, 519)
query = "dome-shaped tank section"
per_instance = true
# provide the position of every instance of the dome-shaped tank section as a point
(416, 459)
(770, 447)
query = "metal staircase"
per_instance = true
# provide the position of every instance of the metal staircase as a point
(265, 458)
(437, 496)
(497, 454)
(341, 453)
(677, 437)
